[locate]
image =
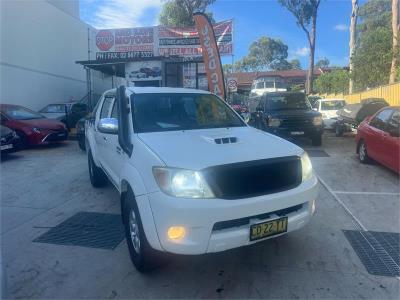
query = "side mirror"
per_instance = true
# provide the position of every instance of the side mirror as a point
(108, 125)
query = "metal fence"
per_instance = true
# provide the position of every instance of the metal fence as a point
(391, 93)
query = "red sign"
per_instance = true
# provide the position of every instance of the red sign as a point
(104, 40)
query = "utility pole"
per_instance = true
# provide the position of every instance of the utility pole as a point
(352, 43)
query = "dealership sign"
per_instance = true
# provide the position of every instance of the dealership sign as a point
(129, 43)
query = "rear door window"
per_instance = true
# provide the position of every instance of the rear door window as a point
(381, 119)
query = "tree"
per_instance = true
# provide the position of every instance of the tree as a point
(268, 53)
(395, 41)
(295, 64)
(322, 63)
(179, 13)
(332, 82)
(305, 12)
(373, 53)
(352, 42)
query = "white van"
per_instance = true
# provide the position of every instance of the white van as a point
(267, 84)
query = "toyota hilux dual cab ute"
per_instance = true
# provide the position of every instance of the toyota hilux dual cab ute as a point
(193, 177)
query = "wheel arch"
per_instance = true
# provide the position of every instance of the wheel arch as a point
(145, 212)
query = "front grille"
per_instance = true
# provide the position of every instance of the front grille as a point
(56, 136)
(254, 178)
(246, 221)
(296, 123)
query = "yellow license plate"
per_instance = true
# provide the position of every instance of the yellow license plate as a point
(262, 230)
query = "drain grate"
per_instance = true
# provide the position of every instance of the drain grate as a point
(87, 229)
(378, 251)
(317, 153)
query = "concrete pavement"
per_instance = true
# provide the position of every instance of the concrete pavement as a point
(40, 188)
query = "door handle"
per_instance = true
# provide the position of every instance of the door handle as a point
(104, 138)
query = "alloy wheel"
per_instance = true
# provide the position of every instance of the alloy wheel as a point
(134, 231)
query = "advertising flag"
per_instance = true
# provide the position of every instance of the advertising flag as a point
(212, 59)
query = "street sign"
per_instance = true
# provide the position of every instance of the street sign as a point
(232, 84)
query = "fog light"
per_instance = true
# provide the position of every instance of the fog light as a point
(176, 232)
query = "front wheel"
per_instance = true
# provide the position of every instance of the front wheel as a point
(81, 143)
(143, 257)
(362, 153)
(97, 176)
(317, 140)
(339, 130)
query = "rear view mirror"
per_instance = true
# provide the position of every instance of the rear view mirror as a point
(314, 108)
(108, 125)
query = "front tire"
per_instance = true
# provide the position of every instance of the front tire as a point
(143, 257)
(81, 143)
(362, 153)
(339, 130)
(97, 176)
(317, 140)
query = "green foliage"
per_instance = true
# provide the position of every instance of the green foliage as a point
(297, 88)
(265, 54)
(336, 81)
(373, 59)
(322, 63)
(179, 13)
(373, 53)
(303, 10)
(295, 64)
(374, 14)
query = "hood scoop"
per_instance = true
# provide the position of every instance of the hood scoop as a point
(226, 140)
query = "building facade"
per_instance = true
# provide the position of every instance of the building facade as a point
(40, 43)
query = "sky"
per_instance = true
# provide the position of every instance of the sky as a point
(252, 19)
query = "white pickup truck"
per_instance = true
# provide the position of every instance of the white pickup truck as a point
(192, 176)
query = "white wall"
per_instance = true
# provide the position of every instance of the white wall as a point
(38, 49)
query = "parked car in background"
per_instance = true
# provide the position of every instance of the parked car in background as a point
(192, 176)
(137, 74)
(286, 114)
(351, 115)
(57, 111)
(378, 138)
(328, 109)
(9, 140)
(68, 113)
(32, 127)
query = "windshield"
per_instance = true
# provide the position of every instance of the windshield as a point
(21, 113)
(332, 105)
(168, 112)
(54, 108)
(287, 101)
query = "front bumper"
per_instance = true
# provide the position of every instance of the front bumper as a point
(295, 132)
(199, 216)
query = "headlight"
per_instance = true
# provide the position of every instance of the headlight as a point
(273, 122)
(317, 121)
(37, 130)
(182, 183)
(306, 167)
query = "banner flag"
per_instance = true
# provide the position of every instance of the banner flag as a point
(212, 59)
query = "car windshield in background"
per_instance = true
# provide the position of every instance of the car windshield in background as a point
(168, 112)
(287, 101)
(54, 108)
(20, 113)
(332, 105)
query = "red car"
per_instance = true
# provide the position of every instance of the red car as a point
(378, 138)
(32, 127)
